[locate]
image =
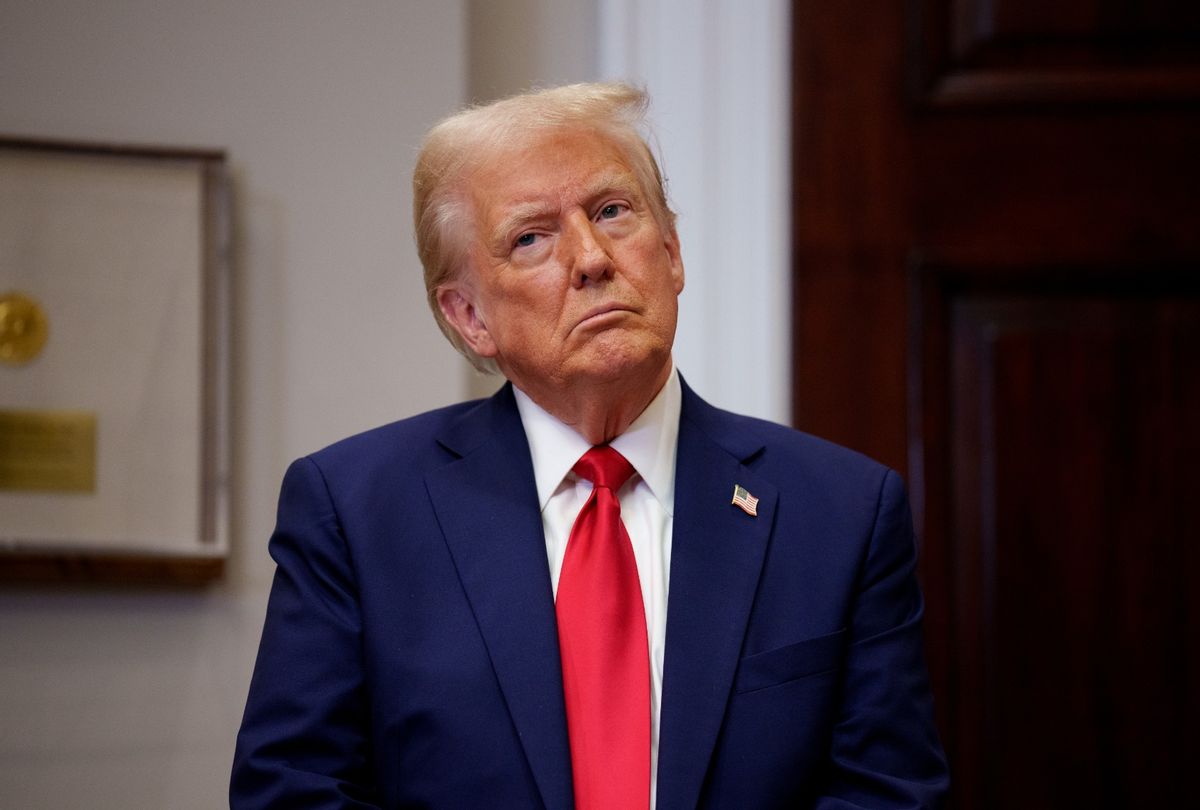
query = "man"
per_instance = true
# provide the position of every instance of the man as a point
(592, 590)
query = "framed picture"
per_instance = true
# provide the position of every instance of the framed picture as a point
(114, 362)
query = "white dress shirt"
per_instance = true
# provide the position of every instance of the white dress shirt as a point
(647, 508)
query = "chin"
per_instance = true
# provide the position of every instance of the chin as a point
(624, 361)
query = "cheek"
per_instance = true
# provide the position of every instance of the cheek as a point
(518, 323)
(660, 280)
(534, 304)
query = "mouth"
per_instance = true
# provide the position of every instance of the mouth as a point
(596, 316)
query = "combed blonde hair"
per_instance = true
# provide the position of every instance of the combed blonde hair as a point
(442, 217)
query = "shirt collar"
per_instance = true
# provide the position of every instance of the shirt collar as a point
(648, 444)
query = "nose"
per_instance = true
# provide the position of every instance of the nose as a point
(587, 255)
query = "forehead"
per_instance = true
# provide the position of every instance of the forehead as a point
(552, 166)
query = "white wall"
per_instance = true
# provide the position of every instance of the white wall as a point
(119, 699)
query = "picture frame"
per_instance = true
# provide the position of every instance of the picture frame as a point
(114, 362)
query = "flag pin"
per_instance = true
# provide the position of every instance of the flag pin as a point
(745, 501)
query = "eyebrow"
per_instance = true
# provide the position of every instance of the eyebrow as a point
(614, 181)
(518, 215)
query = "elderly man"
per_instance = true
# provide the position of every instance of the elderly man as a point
(593, 589)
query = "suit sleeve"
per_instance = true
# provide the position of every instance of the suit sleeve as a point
(885, 748)
(303, 740)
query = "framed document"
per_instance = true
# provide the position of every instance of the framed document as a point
(114, 368)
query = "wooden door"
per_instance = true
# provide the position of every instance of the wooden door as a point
(997, 290)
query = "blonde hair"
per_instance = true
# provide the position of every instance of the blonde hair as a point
(442, 218)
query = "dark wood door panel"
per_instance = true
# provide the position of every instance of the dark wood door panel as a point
(1093, 188)
(1067, 476)
(997, 277)
(1120, 28)
(981, 52)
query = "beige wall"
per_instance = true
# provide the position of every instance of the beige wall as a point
(519, 44)
(119, 699)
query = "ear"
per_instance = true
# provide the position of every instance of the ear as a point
(456, 301)
(671, 243)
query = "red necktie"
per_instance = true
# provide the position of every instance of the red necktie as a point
(605, 654)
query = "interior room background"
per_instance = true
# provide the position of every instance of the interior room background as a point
(960, 236)
(116, 698)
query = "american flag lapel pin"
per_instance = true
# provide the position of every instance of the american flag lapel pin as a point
(745, 501)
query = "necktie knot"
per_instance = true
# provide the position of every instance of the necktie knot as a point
(604, 467)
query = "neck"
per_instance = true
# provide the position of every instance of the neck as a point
(603, 411)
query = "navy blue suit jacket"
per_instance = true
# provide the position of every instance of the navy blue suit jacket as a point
(410, 655)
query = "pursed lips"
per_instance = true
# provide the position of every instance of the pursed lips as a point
(599, 312)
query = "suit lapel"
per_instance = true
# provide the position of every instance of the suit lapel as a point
(486, 503)
(717, 553)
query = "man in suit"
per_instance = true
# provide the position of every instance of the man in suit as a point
(593, 589)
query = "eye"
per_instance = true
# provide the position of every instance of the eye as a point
(611, 211)
(525, 240)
